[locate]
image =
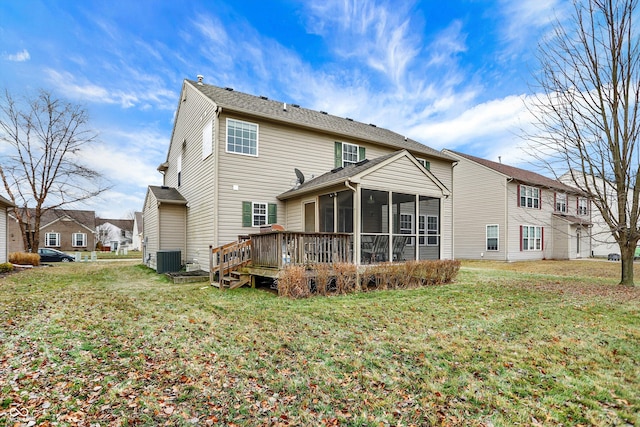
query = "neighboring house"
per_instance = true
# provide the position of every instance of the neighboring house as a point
(63, 229)
(506, 213)
(603, 242)
(230, 171)
(115, 233)
(5, 204)
(136, 236)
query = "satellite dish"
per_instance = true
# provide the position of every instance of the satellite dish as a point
(299, 175)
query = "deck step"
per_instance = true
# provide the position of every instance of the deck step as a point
(235, 280)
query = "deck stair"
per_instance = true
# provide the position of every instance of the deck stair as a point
(235, 279)
(226, 261)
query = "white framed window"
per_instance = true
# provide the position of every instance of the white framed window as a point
(433, 231)
(259, 214)
(561, 202)
(425, 163)
(207, 139)
(242, 137)
(529, 197)
(583, 206)
(406, 226)
(52, 240)
(349, 154)
(531, 238)
(179, 168)
(79, 240)
(492, 237)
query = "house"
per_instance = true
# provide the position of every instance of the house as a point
(136, 236)
(116, 234)
(506, 213)
(5, 204)
(237, 163)
(602, 241)
(63, 229)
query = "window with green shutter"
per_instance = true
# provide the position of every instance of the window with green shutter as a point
(347, 154)
(256, 214)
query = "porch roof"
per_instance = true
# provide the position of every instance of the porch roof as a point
(573, 219)
(167, 195)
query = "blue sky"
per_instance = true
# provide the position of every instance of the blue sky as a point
(452, 74)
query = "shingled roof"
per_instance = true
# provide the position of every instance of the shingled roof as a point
(520, 175)
(167, 195)
(295, 115)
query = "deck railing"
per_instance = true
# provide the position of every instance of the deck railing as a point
(281, 248)
(229, 257)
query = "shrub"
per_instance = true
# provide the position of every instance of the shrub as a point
(6, 267)
(346, 275)
(293, 282)
(24, 258)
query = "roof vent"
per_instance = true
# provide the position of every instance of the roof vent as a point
(350, 119)
(164, 187)
(336, 169)
(295, 105)
(324, 112)
(200, 78)
(230, 89)
(263, 97)
(362, 162)
(372, 125)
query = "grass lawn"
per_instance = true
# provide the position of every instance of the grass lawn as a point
(548, 343)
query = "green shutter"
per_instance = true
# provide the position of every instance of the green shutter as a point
(338, 154)
(361, 154)
(272, 217)
(427, 165)
(246, 214)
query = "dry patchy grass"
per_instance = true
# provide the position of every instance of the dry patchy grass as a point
(111, 344)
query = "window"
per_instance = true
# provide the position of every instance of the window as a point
(492, 237)
(256, 214)
(529, 197)
(348, 154)
(242, 137)
(179, 170)
(432, 230)
(406, 226)
(79, 240)
(561, 203)
(531, 238)
(207, 140)
(583, 206)
(52, 240)
(425, 163)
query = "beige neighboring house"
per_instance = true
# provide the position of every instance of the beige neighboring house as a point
(506, 213)
(231, 170)
(603, 242)
(117, 234)
(5, 204)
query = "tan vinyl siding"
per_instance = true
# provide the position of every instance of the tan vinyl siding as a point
(172, 228)
(151, 230)
(197, 176)
(262, 178)
(479, 200)
(532, 217)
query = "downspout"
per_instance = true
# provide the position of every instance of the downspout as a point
(453, 225)
(356, 220)
(216, 197)
(506, 219)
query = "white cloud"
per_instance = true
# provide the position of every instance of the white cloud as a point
(17, 57)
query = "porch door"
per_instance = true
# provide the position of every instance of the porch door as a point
(310, 217)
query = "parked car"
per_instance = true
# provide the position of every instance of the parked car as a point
(613, 257)
(54, 255)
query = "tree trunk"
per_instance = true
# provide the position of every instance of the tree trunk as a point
(626, 257)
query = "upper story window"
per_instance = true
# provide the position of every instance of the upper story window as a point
(52, 239)
(242, 137)
(179, 167)
(529, 197)
(583, 206)
(256, 214)
(79, 239)
(425, 163)
(348, 154)
(561, 202)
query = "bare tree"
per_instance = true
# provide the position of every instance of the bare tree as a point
(42, 169)
(586, 112)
